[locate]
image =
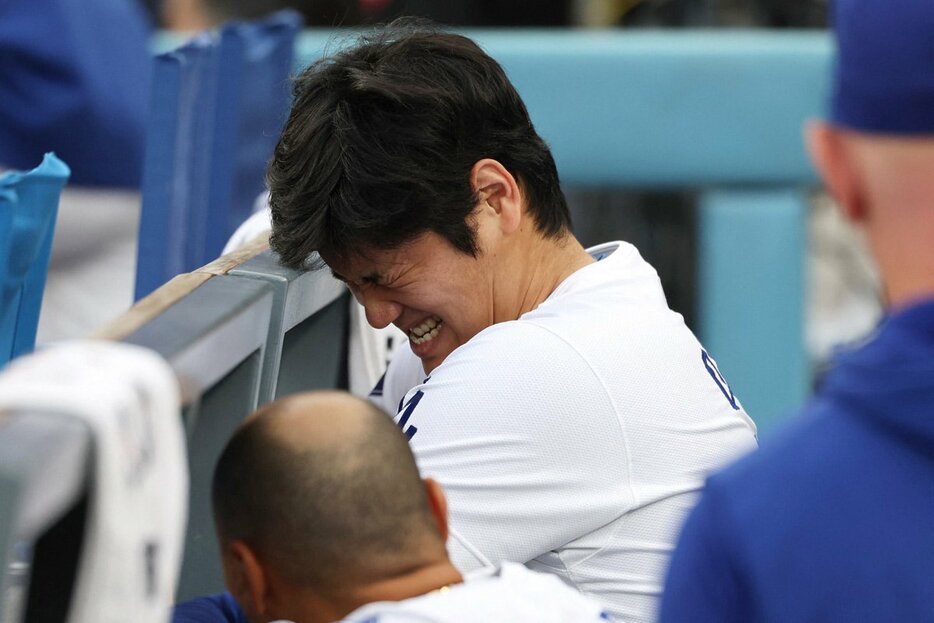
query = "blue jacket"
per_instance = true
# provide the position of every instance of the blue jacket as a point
(75, 80)
(220, 608)
(834, 519)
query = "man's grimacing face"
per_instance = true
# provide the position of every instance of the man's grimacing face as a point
(439, 296)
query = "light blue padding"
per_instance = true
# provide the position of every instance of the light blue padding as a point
(218, 104)
(28, 207)
(668, 109)
(660, 108)
(751, 309)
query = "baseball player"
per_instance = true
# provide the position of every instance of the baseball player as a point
(570, 415)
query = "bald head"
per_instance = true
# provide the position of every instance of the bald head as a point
(325, 421)
(323, 487)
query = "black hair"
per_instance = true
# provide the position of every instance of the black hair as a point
(382, 137)
(325, 514)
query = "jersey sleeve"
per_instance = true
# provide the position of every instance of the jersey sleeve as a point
(403, 373)
(520, 433)
(704, 581)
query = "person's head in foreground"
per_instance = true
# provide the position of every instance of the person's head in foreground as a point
(319, 509)
(322, 516)
(410, 164)
(876, 153)
(831, 521)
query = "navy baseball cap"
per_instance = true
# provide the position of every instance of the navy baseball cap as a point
(884, 77)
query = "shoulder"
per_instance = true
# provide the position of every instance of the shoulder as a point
(821, 438)
(773, 496)
(783, 466)
(519, 364)
(517, 342)
(511, 593)
(403, 373)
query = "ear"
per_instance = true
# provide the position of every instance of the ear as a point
(835, 163)
(498, 192)
(438, 504)
(246, 578)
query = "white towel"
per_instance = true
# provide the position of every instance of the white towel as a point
(139, 490)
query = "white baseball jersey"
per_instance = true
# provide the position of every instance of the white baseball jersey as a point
(575, 438)
(511, 593)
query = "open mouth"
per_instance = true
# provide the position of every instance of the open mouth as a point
(426, 331)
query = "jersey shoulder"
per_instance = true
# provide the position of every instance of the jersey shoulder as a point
(512, 593)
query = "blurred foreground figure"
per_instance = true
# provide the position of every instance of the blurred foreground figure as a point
(832, 521)
(74, 79)
(322, 516)
(76, 82)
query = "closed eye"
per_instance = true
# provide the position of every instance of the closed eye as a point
(337, 275)
(374, 279)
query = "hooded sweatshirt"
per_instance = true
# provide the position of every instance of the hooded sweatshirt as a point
(834, 519)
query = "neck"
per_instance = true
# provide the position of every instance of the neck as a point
(902, 241)
(411, 584)
(334, 605)
(534, 269)
(898, 199)
(905, 286)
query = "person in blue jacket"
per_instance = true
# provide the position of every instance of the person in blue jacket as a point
(834, 519)
(75, 80)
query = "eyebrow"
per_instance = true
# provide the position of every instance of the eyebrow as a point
(337, 275)
(372, 278)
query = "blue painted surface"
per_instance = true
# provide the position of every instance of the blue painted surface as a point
(218, 104)
(752, 259)
(661, 108)
(28, 207)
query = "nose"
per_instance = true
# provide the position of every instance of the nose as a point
(380, 310)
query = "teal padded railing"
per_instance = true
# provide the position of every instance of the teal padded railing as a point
(28, 207)
(719, 111)
(218, 103)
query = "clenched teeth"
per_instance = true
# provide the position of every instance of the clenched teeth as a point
(425, 331)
